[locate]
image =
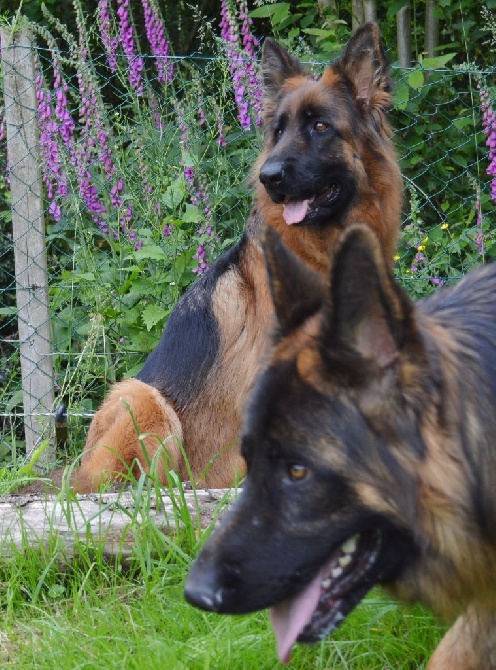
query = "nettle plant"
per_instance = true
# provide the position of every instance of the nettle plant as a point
(145, 163)
(447, 145)
(441, 141)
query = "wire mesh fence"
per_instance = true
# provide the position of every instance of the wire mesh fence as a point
(146, 181)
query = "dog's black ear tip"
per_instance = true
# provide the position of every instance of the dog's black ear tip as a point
(360, 232)
(269, 44)
(268, 40)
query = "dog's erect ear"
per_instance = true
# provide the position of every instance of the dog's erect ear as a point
(366, 315)
(297, 292)
(277, 66)
(365, 65)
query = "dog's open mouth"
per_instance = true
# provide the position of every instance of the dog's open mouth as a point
(324, 603)
(297, 211)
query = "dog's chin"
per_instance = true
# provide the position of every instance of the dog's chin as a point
(326, 601)
(325, 207)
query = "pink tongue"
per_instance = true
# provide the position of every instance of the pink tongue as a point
(291, 616)
(294, 212)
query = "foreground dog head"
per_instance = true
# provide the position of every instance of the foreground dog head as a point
(327, 150)
(362, 452)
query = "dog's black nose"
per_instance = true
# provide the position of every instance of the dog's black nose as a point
(204, 599)
(202, 588)
(271, 173)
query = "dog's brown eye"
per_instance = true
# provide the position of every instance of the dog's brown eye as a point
(320, 126)
(297, 472)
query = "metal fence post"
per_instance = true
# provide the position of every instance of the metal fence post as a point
(29, 240)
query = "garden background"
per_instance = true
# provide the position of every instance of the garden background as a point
(148, 116)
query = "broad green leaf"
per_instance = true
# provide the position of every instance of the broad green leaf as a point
(269, 10)
(151, 315)
(401, 95)
(15, 399)
(192, 214)
(395, 6)
(437, 61)
(152, 252)
(416, 79)
(318, 32)
(183, 261)
(463, 122)
(281, 13)
(85, 276)
(174, 194)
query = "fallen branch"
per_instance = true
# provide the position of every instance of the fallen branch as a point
(102, 521)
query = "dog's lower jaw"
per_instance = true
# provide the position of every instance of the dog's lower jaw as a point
(318, 609)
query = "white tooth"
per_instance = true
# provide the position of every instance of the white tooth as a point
(336, 572)
(350, 545)
(345, 560)
(326, 583)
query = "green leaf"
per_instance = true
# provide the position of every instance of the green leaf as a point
(394, 7)
(27, 469)
(437, 61)
(192, 214)
(281, 13)
(151, 315)
(401, 95)
(152, 252)
(174, 194)
(416, 79)
(270, 10)
(463, 122)
(319, 33)
(8, 311)
(15, 399)
(85, 276)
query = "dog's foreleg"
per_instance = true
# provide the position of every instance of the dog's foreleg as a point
(135, 425)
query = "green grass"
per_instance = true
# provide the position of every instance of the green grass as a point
(91, 613)
(128, 624)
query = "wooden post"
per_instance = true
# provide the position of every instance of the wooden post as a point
(431, 28)
(29, 240)
(357, 14)
(404, 36)
(370, 10)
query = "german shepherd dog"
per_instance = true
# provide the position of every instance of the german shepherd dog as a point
(371, 457)
(327, 161)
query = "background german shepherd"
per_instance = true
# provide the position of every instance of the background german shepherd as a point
(370, 447)
(327, 161)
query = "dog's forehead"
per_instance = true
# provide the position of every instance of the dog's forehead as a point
(291, 420)
(307, 97)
